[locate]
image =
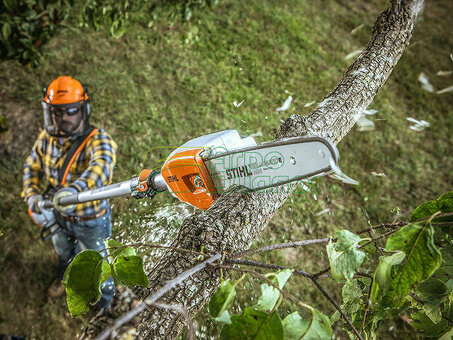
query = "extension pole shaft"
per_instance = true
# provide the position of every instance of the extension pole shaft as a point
(109, 191)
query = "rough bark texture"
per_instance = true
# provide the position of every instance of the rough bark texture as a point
(237, 218)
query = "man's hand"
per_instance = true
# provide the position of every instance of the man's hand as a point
(66, 209)
(45, 218)
(33, 203)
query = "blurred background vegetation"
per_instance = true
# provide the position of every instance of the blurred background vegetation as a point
(163, 72)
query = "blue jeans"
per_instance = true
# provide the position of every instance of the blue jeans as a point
(78, 236)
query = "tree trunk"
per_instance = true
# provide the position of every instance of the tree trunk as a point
(237, 218)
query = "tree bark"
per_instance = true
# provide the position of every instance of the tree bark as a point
(237, 218)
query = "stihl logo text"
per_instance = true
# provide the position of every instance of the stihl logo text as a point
(242, 171)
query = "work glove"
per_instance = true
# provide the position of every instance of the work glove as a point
(45, 218)
(65, 209)
(33, 203)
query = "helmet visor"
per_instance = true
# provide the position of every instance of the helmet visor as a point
(62, 120)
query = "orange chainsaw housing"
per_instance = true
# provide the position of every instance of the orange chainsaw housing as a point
(188, 178)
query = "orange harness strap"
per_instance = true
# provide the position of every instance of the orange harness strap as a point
(79, 149)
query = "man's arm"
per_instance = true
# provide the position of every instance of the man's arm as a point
(33, 168)
(102, 150)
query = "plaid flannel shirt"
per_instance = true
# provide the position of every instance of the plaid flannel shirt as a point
(92, 168)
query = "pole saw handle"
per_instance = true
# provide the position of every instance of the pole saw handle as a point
(146, 185)
(45, 204)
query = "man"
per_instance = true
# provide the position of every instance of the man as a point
(72, 156)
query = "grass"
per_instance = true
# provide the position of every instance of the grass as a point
(164, 85)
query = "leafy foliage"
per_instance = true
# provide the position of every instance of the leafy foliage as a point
(254, 324)
(443, 204)
(88, 270)
(317, 328)
(262, 321)
(269, 294)
(27, 25)
(423, 258)
(414, 263)
(344, 257)
(117, 16)
(382, 274)
(352, 300)
(222, 299)
(82, 280)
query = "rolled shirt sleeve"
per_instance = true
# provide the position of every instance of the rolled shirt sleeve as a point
(33, 168)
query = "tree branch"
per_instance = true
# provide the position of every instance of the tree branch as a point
(277, 246)
(285, 293)
(333, 302)
(236, 219)
(140, 307)
(266, 266)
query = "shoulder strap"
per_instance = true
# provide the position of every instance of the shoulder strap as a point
(76, 147)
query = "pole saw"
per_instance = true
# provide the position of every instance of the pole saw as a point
(203, 168)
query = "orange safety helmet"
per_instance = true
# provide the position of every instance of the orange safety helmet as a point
(65, 93)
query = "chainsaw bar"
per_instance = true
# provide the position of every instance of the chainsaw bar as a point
(271, 164)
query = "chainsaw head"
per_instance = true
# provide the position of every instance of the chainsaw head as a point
(188, 179)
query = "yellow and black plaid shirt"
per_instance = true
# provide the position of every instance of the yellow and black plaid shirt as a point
(92, 168)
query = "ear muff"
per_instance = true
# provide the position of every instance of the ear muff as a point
(87, 101)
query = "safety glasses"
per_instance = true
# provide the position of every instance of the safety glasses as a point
(61, 111)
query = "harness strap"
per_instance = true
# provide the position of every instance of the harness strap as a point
(72, 154)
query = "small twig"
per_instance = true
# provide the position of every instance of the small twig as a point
(278, 246)
(366, 308)
(396, 225)
(442, 224)
(332, 301)
(364, 275)
(376, 244)
(416, 298)
(311, 276)
(318, 274)
(180, 309)
(154, 246)
(267, 266)
(157, 295)
(378, 238)
(267, 281)
(439, 214)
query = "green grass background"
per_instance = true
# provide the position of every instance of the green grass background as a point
(164, 85)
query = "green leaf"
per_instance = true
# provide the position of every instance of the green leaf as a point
(352, 300)
(269, 294)
(446, 266)
(82, 280)
(430, 329)
(6, 30)
(434, 292)
(224, 317)
(268, 299)
(423, 258)
(253, 324)
(9, 5)
(222, 299)
(448, 335)
(443, 204)
(130, 271)
(382, 275)
(344, 258)
(297, 328)
(106, 271)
